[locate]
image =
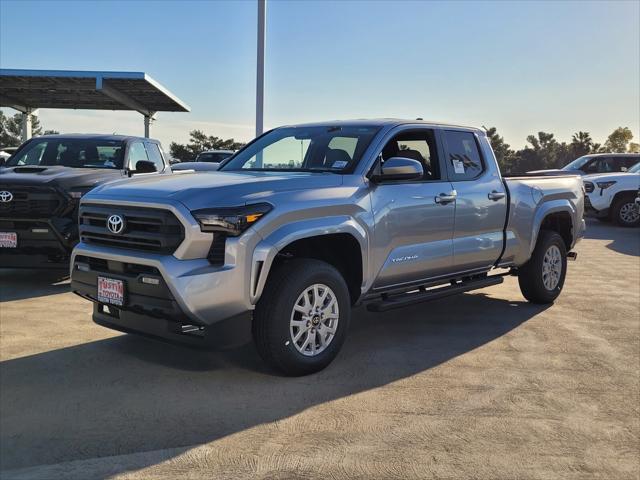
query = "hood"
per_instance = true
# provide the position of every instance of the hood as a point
(555, 171)
(56, 176)
(209, 189)
(608, 176)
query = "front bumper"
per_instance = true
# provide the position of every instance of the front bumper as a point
(189, 291)
(591, 211)
(192, 303)
(42, 242)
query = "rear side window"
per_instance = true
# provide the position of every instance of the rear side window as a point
(155, 156)
(463, 157)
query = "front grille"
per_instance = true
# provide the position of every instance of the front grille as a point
(148, 229)
(588, 187)
(31, 202)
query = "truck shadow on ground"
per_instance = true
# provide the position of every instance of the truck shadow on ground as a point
(623, 240)
(18, 284)
(127, 394)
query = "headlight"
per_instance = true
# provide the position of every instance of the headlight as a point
(78, 192)
(232, 221)
(604, 185)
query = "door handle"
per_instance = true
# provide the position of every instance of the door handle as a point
(495, 195)
(445, 198)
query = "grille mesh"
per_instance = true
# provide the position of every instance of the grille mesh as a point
(147, 229)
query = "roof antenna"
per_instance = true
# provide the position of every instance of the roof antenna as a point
(419, 118)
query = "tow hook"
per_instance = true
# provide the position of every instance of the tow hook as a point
(572, 256)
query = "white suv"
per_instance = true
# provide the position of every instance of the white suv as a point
(611, 196)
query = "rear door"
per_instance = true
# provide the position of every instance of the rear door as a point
(481, 200)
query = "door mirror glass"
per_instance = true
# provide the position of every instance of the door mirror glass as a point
(399, 168)
(145, 166)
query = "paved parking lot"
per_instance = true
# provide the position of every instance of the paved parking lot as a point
(482, 385)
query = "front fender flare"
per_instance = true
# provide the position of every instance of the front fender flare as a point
(267, 249)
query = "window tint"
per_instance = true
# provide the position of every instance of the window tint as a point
(463, 158)
(304, 148)
(417, 145)
(629, 162)
(286, 153)
(348, 144)
(31, 156)
(137, 152)
(70, 152)
(155, 156)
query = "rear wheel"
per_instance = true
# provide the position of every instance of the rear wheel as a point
(624, 212)
(302, 318)
(541, 279)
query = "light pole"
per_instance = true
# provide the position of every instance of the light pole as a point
(262, 32)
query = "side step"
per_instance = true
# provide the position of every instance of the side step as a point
(405, 299)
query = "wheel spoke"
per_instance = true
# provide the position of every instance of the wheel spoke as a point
(298, 335)
(315, 309)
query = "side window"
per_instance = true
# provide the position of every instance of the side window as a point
(591, 166)
(628, 162)
(137, 152)
(417, 145)
(463, 157)
(607, 165)
(155, 156)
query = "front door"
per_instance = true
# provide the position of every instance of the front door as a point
(413, 231)
(481, 203)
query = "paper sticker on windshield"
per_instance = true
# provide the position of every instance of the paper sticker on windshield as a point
(339, 164)
(458, 166)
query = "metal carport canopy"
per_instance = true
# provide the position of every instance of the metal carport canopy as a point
(28, 90)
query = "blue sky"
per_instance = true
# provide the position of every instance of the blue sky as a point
(520, 66)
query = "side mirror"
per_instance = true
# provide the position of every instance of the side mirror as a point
(398, 168)
(145, 166)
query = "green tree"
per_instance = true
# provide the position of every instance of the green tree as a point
(581, 144)
(634, 147)
(11, 129)
(618, 141)
(502, 150)
(198, 142)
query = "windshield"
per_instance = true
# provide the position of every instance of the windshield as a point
(635, 168)
(577, 163)
(216, 157)
(70, 152)
(308, 149)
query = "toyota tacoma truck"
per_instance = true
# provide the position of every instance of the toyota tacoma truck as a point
(41, 185)
(307, 221)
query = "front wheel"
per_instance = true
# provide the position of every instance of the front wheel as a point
(541, 279)
(302, 317)
(624, 212)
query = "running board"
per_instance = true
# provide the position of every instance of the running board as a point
(405, 299)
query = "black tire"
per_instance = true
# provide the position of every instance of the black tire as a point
(621, 202)
(271, 320)
(530, 276)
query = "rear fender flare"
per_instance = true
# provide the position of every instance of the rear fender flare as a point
(548, 208)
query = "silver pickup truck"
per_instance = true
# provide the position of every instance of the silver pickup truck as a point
(307, 221)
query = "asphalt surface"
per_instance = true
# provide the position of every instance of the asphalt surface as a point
(482, 385)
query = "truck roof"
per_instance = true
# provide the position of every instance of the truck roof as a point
(97, 136)
(381, 122)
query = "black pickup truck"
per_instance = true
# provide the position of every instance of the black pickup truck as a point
(42, 183)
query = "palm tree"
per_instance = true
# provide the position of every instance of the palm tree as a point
(582, 143)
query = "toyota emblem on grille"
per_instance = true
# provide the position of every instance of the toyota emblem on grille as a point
(115, 224)
(6, 197)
